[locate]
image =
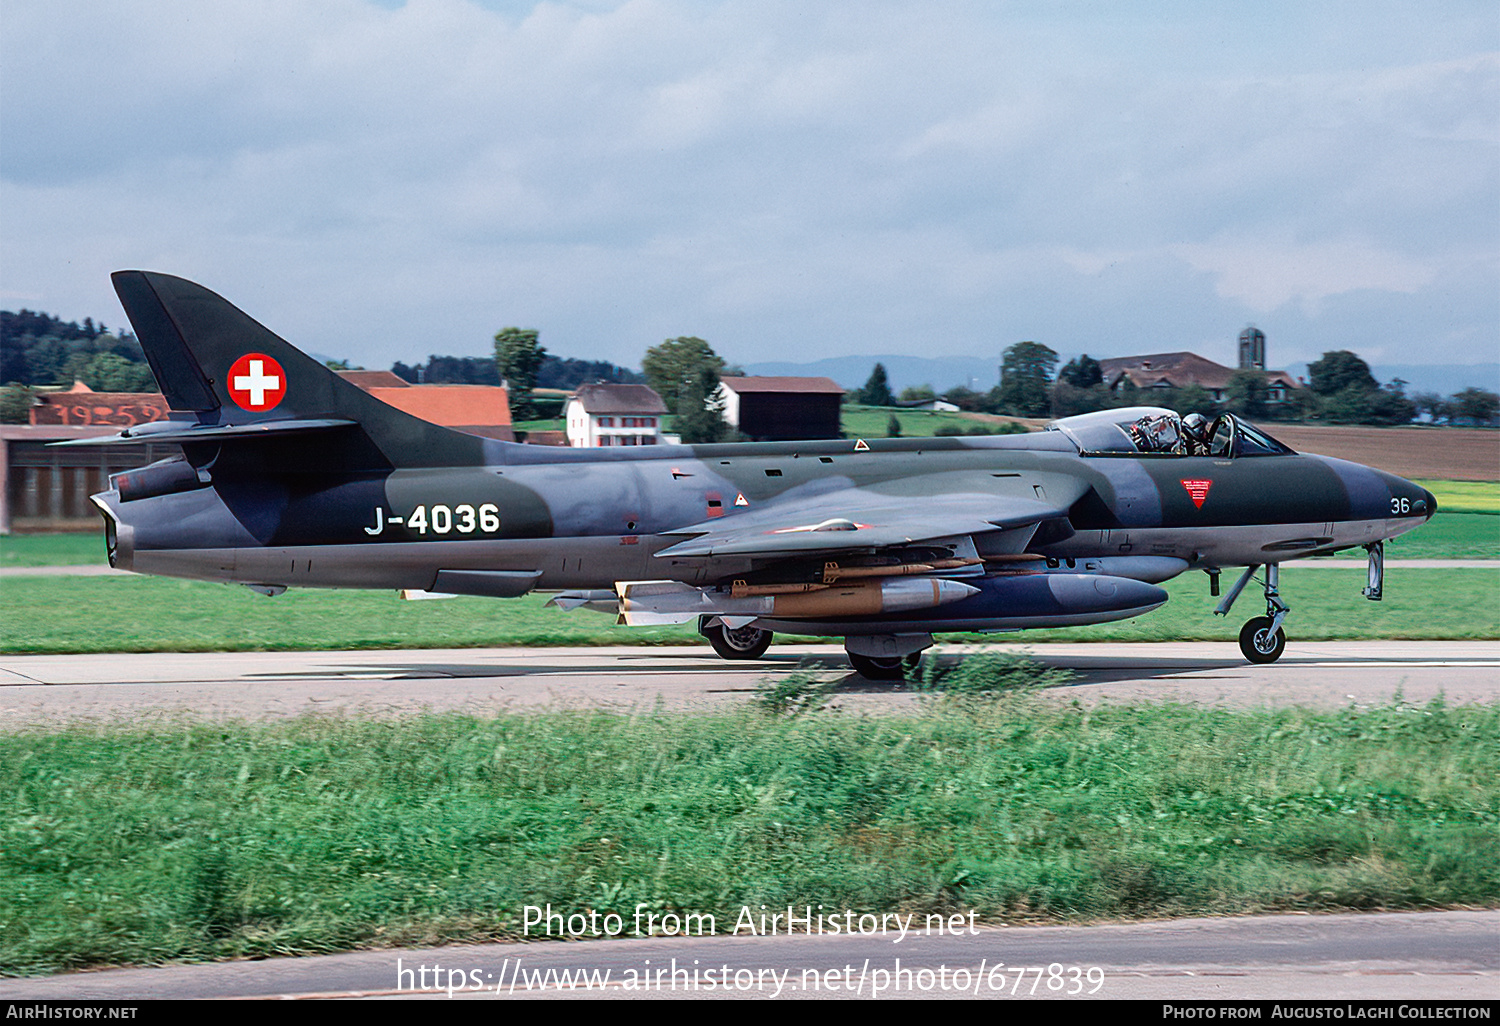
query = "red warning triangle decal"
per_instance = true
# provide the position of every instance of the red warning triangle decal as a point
(860, 445)
(1198, 489)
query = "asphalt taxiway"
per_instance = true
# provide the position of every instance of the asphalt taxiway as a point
(36, 690)
(1433, 956)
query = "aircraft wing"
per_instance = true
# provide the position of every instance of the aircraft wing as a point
(916, 509)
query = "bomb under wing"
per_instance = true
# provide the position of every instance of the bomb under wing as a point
(657, 602)
(292, 477)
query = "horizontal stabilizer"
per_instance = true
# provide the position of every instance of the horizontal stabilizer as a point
(177, 431)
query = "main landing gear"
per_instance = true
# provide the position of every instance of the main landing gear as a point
(886, 656)
(1261, 639)
(748, 642)
(885, 667)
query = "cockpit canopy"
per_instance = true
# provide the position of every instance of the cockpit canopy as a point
(1155, 431)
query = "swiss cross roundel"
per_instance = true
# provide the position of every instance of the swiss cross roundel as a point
(256, 383)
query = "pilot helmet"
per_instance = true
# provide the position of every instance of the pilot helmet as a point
(1195, 425)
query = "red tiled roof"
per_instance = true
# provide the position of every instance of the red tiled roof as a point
(450, 405)
(468, 407)
(368, 379)
(1178, 370)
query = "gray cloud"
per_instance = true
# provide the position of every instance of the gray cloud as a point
(787, 180)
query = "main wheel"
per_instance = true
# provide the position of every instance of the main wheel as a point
(1258, 643)
(885, 667)
(747, 642)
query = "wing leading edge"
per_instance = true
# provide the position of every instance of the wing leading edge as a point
(926, 508)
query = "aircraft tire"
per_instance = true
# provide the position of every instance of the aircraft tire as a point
(1259, 648)
(745, 643)
(887, 668)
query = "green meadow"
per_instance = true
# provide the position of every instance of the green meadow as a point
(159, 843)
(155, 614)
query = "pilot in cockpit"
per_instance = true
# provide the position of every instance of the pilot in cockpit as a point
(1165, 433)
(1195, 435)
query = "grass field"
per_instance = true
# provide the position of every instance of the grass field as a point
(152, 614)
(874, 421)
(80, 549)
(1455, 533)
(855, 422)
(163, 843)
(1465, 496)
(157, 614)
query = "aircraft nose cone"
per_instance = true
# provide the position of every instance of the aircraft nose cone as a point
(1431, 503)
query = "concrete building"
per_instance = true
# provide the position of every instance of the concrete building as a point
(604, 415)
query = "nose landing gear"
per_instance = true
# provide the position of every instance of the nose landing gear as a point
(1261, 639)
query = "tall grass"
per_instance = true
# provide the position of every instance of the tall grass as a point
(152, 614)
(144, 844)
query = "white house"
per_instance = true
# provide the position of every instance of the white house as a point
(614, 415)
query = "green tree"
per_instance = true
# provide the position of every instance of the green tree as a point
(1475, 405)
(1245, 395)
(1432, 405)
(893, 427)
(1070, 400)
(1025, 377)
(1081, 372)
(964, 398)
(877, 390)
(1337, 371)
(1193, 399)
(518, 358)
(15, 403)
(918, 394)
(107, 372)
(676, 365)
(1357, 404)
(700, 417)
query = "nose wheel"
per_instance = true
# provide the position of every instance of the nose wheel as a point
(1261, 639)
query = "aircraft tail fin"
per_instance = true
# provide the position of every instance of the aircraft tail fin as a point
(215, 362)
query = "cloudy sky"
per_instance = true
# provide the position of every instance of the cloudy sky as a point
(789, 180)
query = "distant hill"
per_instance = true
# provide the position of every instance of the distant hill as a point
(1442, 378)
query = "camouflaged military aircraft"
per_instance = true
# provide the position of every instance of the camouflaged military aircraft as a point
(292, 477)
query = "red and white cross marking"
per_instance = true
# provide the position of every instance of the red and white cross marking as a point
(256, 382)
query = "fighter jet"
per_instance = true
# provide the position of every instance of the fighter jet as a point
(292, 477)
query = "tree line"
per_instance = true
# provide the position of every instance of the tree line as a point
(1341, 390)
(41, 349)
